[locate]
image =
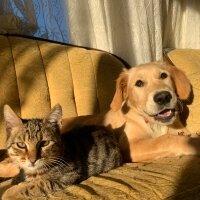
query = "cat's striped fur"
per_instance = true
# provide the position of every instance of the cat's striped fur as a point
(51, 161)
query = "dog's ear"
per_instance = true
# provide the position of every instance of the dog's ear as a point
(121, 91)
(182, 83)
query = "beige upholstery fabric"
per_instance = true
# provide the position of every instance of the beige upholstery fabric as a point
(35, 75)
(171, 179)
(189, 61)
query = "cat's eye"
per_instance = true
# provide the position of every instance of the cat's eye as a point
(139, 83)
(163, 75)
(21, 145)
(44, 143)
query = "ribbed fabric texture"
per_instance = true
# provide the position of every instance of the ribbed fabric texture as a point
(169, 179)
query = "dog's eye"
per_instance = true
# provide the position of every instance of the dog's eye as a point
(163, 75)
(139, 83)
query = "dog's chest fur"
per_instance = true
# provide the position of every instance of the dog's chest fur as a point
(158, 130)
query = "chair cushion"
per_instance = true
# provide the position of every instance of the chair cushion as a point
(189, 61)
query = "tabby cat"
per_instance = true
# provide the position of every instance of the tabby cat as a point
(50, 161)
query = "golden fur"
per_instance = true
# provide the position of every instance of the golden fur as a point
(146, 129)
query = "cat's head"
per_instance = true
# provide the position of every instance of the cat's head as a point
(34, 144)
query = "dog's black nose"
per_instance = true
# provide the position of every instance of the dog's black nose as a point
(162, 98)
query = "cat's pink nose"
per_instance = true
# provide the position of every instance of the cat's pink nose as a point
(32, 161)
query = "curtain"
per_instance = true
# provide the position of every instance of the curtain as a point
(135, 30)
(46, 19)
(130, 29)
(24, 11)
(181, 24)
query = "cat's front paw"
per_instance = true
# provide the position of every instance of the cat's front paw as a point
(13, 193)
(8, 169)
(7, 196)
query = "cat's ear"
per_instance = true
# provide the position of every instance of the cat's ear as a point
(12, 120)
(55, 115)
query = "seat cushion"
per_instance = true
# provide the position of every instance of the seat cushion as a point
(169, 178)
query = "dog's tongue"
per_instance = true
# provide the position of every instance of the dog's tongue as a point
(165, 113)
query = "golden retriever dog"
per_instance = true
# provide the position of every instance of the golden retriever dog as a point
(144, 113)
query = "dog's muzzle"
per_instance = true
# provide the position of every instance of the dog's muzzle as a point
(163, 100)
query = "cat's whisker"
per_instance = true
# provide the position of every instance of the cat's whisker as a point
(49, 165)
(53, 160)
(57, 168)
(46, 168)
(59, 159)
(54, 163)
(46, 165)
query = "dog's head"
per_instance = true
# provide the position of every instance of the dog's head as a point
(153, 90)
